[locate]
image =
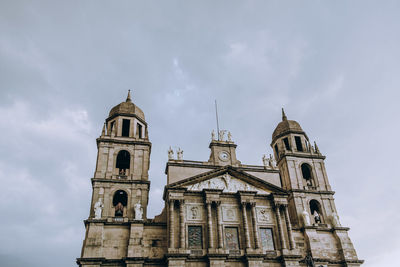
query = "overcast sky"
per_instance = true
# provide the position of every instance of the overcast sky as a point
(333, 65)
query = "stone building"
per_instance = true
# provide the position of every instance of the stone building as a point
(218, 212)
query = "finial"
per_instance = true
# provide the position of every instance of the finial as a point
(316, 147)
(284, 118)
(128, 98)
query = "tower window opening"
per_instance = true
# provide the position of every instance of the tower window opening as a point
(276, 151)
(125, 127)
(286, 141)
(123, 162)
(315, 209)
(139, 130)
(299, 146)
(306, 172)
(120, 200)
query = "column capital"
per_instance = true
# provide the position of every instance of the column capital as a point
(252, 204)
(181, 201)
(218, 202)
(244, 203)
(209, 201)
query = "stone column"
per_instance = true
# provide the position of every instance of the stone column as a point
(255, 226)
(171, 223)
(280, 227)
(209, 220)
(182, 223)
(289, 227)
(219, 225)
(246, 226)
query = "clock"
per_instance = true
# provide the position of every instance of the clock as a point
(223, 155)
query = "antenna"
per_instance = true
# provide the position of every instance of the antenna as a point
(216, 114)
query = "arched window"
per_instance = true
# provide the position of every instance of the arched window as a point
(123, 161)
(315, 209)
(120, 200)
(306, 171)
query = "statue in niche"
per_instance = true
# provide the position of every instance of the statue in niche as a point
(335, 220)
(138, 211)
(212, 135)
(194, 213)
(221, 135)
(119, 209)
(229, 137)
(179, 152)
(306, 218)
(98, 208)
(170, 153)
(317, 218)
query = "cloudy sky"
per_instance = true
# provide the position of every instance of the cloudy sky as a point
(333, 65)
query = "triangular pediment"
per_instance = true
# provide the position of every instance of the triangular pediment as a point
(226, 183)
(229, 180)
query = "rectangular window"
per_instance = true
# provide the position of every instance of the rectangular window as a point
(231, 238)
(195, 237)
(267, 240)
(125, 127)
(286, 141)
(299, 146)
(139, 130)
(277, 151)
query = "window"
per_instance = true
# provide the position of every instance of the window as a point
(123, 161)
(299, 146)
(267, 239)
(139, 130)
(306, 172)
(125, 127)
(231, 238)
(120, 200)
(195, 237)
(286, 141)
(276, 151)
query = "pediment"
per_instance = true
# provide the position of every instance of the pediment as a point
(226, 183)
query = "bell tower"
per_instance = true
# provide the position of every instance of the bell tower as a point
(120, 186)
(311, 204)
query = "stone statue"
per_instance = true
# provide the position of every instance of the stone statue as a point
(265, 161)
(335, 220)
(98, 208)
(180, 154)
(212, 135)
(229, 137)
(138, 211)
(306, 218)
(221, 135)
(170, 153)
(119, 209)
(272, 162)
(316, 217)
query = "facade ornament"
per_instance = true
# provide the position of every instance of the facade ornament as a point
(335, 220)
(317, 218)
(221, 135)
(306, 218)
(265, 160)
(213, 135)
(98, 209)
(229, 137)
(138, 211)
(170, 153)
(179, 153)
(272, 162)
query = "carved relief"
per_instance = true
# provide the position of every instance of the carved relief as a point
(263, 215)
(229, 214)
(227, 183)
(194, 213)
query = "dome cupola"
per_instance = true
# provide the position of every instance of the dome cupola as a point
(127, 108)
(286, 126)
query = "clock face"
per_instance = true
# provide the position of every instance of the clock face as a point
(224, 156)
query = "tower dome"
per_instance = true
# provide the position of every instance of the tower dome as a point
(127, 108)
(286, 126)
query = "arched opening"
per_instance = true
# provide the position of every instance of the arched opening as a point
(316, 212)
(306, 171)
(123, 162)
(120, 200)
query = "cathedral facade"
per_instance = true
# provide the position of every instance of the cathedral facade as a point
(218, 212)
